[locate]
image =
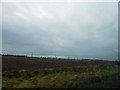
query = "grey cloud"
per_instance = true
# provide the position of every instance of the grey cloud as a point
(82, 30)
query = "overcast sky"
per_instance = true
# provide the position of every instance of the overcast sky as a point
(76, 29)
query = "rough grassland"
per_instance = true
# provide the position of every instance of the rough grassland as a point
(83, 75)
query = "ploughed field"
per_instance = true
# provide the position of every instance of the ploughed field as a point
(28, 72)
(30, 63)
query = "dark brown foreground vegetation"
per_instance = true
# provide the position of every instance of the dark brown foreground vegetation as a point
(27, 72)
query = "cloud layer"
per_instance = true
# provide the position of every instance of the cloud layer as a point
(81, 30)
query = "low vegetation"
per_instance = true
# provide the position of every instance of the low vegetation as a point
(84, 76)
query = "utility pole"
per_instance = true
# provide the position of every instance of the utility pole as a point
(68, 57)
(31, 54)
(55, 56)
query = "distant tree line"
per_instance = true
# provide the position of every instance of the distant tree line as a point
(14, 55)
(43, 57)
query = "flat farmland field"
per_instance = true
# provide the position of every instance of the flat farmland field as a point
(31, 72)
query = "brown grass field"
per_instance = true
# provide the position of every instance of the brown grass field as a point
(17, 63)
(31, 72)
